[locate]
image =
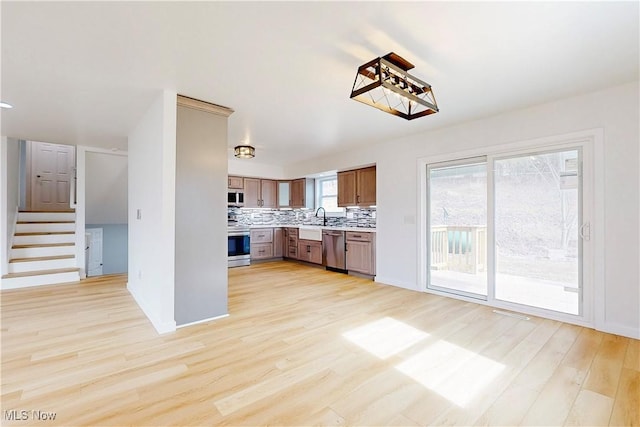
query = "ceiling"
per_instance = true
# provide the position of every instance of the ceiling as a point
(85, 72)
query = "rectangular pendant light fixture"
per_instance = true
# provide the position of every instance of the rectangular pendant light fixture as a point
(385, 84)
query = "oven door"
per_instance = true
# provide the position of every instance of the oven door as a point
(239, 246)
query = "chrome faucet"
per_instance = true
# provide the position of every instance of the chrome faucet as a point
(324, 215)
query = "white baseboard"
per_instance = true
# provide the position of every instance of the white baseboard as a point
(210, 319)
(397, 283)
(617, 329)
(160, 326)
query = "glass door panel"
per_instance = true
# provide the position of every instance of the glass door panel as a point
(458, 227)
(537, 212)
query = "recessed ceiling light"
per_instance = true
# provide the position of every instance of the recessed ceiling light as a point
(5, 105)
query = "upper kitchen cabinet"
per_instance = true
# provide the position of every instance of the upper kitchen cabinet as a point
(284, 194)
(235, 182)
(302, 193)
(260, 193)
(357, 187)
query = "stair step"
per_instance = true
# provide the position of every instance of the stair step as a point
(40, 273)
(43, 238)
(23, 265)
(41, 245)
(42, 233)
(41, 258)
(45, 222)
(47, 216)
(39, 278)
(33, 227)
(42, 250)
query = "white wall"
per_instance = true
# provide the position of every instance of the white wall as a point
(106, 188)
(9, 196)
(615, 110)
(152, 163)
(253, 167)
(201, 220)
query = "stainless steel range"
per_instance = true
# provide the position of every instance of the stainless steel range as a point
(239, 247)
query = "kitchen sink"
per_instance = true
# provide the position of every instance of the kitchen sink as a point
(310, 233)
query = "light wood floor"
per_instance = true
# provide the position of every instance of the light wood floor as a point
(303, 346)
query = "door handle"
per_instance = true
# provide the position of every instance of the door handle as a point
(585, 231)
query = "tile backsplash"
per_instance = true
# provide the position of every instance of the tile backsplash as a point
(355, 217)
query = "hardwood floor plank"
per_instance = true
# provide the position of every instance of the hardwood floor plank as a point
(286, 355)
(626, 408)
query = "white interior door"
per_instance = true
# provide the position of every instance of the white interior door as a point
(94, 264)
(51, 176)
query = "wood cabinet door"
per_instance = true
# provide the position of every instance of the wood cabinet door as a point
(251, 193)
(315, 255)
(366, 183)
(262, 235)
(359, 257)
(235, 182)
(347, 188)
(284, 194)
(269, 191)
(297, 193)
(278, 249)
(261, 250)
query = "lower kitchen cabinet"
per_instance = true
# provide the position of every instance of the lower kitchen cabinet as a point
(360, 254)
(290, 245)
(310, 251)
(277, 242)
(262, 241)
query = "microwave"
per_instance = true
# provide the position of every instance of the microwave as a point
(235, 198)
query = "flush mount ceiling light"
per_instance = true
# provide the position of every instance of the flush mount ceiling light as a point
(244, 152)
(5, 105)
(385, 84)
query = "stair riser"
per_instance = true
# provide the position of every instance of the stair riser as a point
(45, 279)
(22, 267)
(45, 238)
(33, 228)
(40, 252)
(46, 216)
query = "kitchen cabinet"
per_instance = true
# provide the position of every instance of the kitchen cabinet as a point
(284, 194)
(261, 243)
(259, 193)
(310, 251)
(357, 187)
(302, 193)
(291, 243)
(235, 182)
(277, 242)
(360, 254)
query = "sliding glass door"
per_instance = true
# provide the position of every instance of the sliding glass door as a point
(537, 212)
(507, 228)
(458, 227)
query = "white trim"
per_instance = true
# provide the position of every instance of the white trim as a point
(591, 143)
(397, 283)
(210, 319)
(160, 327)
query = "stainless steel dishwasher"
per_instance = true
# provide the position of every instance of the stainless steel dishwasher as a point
(333, 247)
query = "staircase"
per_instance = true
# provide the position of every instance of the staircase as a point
(43, 250)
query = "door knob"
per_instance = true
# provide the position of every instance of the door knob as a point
(37, 176)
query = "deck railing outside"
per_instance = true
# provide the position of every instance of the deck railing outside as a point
(459, 248)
